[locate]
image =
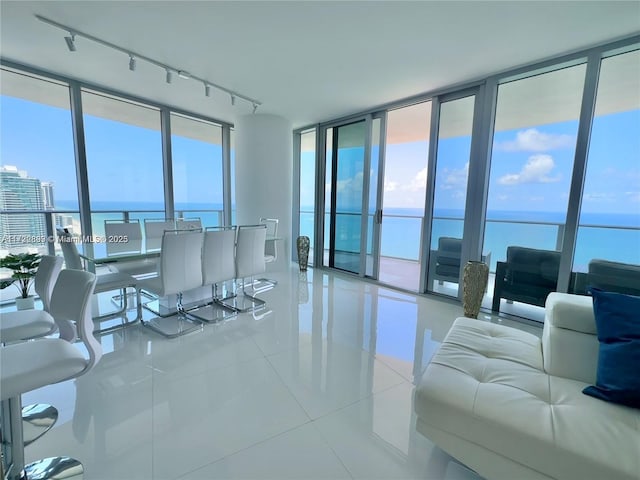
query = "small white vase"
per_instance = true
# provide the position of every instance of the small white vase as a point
(25, 303)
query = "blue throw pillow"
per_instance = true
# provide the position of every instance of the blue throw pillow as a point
(618, 326)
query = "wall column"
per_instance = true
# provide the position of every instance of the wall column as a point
(263, 176)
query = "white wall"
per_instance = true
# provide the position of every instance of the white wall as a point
(264, 166)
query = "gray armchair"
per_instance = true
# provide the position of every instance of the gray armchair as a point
(528, 276)
(610, 276)
(444, 263)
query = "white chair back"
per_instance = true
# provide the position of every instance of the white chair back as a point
(45, 279)
(270, 247)
(181, 261)
(118, 231)
(250, 250)
(188, 224)
(154, 230)
(218, 255)
(70, 253)
(71, 302)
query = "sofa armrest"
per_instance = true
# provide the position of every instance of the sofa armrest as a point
(572, 312)
(569, 342)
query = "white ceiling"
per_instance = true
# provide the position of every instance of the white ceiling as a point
(306, 61)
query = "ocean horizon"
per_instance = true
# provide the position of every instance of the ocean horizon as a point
(402, 229)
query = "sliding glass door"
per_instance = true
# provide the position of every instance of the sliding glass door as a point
(352, 216)
(347, 201)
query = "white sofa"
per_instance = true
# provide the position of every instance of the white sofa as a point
(510, 405)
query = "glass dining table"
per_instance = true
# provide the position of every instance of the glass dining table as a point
(104, 253)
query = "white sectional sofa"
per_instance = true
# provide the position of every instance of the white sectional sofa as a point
(510, 405)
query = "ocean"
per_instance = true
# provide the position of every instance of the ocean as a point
(613, 237)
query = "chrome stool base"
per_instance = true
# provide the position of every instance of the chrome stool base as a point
(54, 468)
(37, 419)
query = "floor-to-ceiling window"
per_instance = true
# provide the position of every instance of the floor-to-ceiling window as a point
(124, 159)
(308, 187)
(528, 136)
(609, 222)
(38, 171)
(404, 189)
(196, 157)
(534, 145)
(455, 131)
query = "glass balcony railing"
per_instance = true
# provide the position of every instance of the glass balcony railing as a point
(34, 231)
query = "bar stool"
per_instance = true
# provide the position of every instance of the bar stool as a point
(114, 281)
(28, 324)
(24, 325)
(30, 365)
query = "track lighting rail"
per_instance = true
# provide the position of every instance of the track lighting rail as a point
(134, 56)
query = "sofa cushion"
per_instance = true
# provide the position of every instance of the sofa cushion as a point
(487, 386)
(618, 325)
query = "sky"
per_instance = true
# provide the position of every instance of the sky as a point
(530, 169)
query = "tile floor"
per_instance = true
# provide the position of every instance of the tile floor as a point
(319, 387)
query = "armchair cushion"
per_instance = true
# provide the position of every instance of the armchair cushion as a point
(618, 329)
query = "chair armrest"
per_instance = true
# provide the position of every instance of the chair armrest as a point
(501, 270)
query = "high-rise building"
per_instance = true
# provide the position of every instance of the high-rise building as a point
(20, 192)
(47, 195)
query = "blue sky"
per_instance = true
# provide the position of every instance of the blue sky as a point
(531, 167)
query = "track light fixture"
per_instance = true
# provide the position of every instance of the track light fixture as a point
(71, 42)
(134, 57)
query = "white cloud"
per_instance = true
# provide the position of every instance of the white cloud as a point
(536, 170)
(633, 196)
(390, 186)
(503, 198)
(598, 197)
(532, 140)
(456, 178)
(350, 185)
(418, 182)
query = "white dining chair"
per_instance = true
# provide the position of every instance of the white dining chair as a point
(218, 266)
(27, 366)
(270, 247)
(154, 230)
(180, 270)
(124, 237)
(249, 263)
(188, 224)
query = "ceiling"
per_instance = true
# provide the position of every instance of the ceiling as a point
(306, 61)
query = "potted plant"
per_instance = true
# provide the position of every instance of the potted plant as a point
(24, 267)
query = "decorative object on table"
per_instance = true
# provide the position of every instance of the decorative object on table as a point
(24, 267)
(303, 244)
(475, 278)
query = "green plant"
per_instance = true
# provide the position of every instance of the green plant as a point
(24, 267)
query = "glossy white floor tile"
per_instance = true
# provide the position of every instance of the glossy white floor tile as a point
(318, 385)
